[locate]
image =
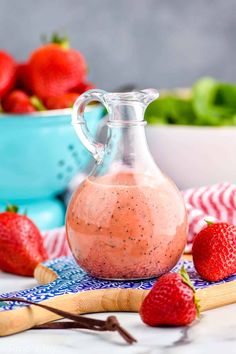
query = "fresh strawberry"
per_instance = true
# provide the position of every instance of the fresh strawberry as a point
(56, 69)
(7, 73)
(214, 251)
(171, 301)
(21, 244)
(17, 102)
(23, 77)
(63, 101)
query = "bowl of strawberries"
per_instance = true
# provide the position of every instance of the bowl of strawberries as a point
(39, 151)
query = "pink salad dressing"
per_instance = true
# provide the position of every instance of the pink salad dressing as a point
(126, 226)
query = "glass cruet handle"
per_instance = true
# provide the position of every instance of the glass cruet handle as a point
(80, 125)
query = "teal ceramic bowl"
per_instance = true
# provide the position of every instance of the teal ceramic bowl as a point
(40, 153)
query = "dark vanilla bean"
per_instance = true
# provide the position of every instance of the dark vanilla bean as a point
(110, 324)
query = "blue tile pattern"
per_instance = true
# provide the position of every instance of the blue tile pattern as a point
(72, 279)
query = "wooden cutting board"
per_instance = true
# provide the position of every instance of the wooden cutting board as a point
(66, 286)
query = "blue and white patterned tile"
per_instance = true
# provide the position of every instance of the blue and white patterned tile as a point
(72, 279)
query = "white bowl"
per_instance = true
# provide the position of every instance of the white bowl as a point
(194, 156)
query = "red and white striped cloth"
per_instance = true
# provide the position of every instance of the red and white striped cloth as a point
(213, 203)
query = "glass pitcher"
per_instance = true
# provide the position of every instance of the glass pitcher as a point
(127, 220)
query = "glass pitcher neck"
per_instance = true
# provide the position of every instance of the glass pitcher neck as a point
(123, 113)
(126, 146)
(129, 107)
(127, 149)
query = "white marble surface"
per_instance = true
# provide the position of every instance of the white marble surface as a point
(214, 333)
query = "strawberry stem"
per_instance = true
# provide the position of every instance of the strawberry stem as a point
(62, 41)
(186, 279)
(37, 103)
(209, 222)
(197, 304)
(12, 208)
(57, 39)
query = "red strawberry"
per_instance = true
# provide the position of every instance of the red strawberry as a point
(63, 101)
(55, 69)
(17, 102)
(171, 301)
(23, 77)
(21, 244)
(7, 73)
(214, 251)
